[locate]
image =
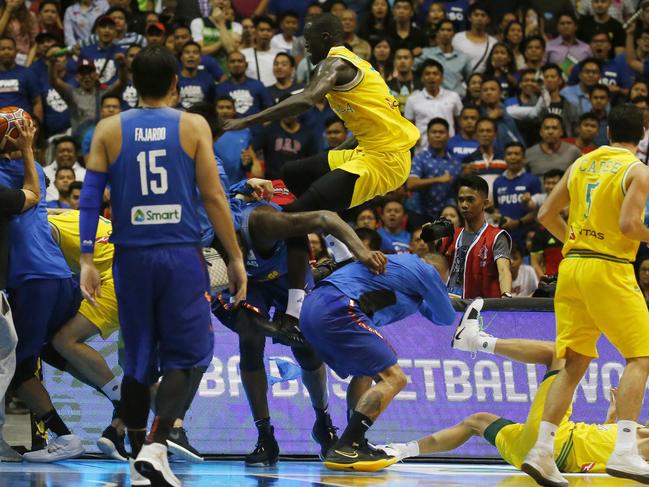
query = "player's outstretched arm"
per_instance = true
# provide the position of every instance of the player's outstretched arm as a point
(550, 212)
(24, 142)
(635, 199)
(325, 78)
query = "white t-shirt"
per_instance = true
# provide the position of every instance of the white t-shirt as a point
(525, 283)
(265, 61)
(198, 29)
(52, 194)
(422, 107)
(475, 52)
(278, 42)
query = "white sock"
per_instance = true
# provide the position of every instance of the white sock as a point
(487, 344)
(547, 433)
(113, 389)
(295, 299)
(626, 436)
(338, 250)
(412, 449)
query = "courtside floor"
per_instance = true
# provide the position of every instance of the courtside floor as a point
(110, 473)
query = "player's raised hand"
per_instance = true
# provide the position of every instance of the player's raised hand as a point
(375, 261)
(90, 283)
(262, 188)
(25, 140)
(238, 280)
(235, 124)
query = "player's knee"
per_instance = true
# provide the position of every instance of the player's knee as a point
(395, 377)
(477, 422)
(251, 352)
(25, 370)
(307, 358)
(641, 363)
(62, 341)
(53, 357)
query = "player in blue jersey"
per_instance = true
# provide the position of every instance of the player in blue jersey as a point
(156, 159)
(37, 271)
(341, 318)
(262, 228)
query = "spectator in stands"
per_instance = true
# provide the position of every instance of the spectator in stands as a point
(642, 102)
(456, 64)
(123, 38)
(156, 34)
(260, 57)
(367, 218)
(75, 194)
(18, 85)
(643, 277)
(402, 32)
(318, 247)
(104, 53)
(473, 90)
(382, 59)
(509, 190)
(375, 25)
(487, 160)
(434, 16)
(491, 106)
(62, 179)
(534, 53)
(545, 254)
(284, 72)
(620, 10)
(299, 49)
(65, 155)
(194, 85)
(231, 145)
(528, 96)
(452, 213)
(464, 141)
(55, 110)
(49, 18)
(475, 42)
(432, 101)
(601, 21)
(478, 253)
(38, 67)
(129, 93)
(393, 233)
(359, 46)
(370, 238)
(79, 19)
(335, 132)
(217, 36)
(559, 105)
(637, 56)
(566, 49)
(249, 95)
(589, 75)
(513, 37)
(432, 175)
(417, 245)
(405, 83)
(500, 65)
(615, 71)
(288, 26)
(110, 105)
(524, 280)
(551, 152)
(599, 101)
(181, 36)
(20, 24)
(586, 133)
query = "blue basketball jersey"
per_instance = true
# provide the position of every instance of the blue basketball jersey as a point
(153, 182)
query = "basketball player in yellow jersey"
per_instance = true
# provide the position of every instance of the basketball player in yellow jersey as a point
(91, 320)
(597, 292)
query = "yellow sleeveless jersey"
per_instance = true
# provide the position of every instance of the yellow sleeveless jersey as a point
(597, 186)
(66, 231)
(369, 110)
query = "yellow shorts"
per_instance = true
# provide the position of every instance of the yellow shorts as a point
(378, 172)
(515, 440)
(592, 444)
(104, 316)
(596, 296)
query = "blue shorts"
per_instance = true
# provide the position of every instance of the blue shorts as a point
(164, 309)
(343, 335)
(40, 307)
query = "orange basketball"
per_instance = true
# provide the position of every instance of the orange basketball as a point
(9, 118)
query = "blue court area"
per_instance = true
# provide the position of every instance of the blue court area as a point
(287, 473)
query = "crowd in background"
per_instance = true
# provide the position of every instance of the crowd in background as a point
(512, 92)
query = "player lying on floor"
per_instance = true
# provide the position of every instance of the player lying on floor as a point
(580, 447)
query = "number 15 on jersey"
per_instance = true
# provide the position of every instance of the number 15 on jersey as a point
(153, 178)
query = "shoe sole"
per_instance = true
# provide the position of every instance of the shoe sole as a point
(533, 472)
(643, 479)
(147, 469)
(183, 453)
(107, 447)
(370, 466)
(320, 454)
(75, 454)
(262, 464)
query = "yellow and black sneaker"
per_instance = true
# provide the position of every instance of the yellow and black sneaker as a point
(360, 458)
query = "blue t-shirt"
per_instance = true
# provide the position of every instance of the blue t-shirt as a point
(459, 147)
(55, 109)
(413, 286)
(103, 56)
(200, 88)
(615, 71)
(33, 254)
(249, 97)
(398, 243)
(228, 148)
(208, 65)
(153, 182)
(508, 194)
(18, 87)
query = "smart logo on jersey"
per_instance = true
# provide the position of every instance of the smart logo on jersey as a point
(156, 214)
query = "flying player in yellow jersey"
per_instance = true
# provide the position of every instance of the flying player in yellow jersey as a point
(579, 447)
(345, 177)
(606, 191)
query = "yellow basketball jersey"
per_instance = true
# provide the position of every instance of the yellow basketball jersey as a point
(597, 187)
(369, 110)
(66, 231)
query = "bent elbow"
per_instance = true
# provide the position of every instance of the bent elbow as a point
(628, 226)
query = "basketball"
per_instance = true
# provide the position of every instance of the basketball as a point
(9, 118)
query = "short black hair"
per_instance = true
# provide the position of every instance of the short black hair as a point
(75, 185)
(191, 43)
(588, 116)
(474, 182)
(409, 2)
(438, 121)
(332, 120)
(329, 23)
(207, 111)
(600, 87)
(66, 138)
(552, 116)
(447, 21)
(487, 119)
(181, 26)
(516, 250)
(264, 19)
(154, 68)
(109, 95)
(549, 66)
(553, 173)
(491, 79)
(49, 2)
(291, 59)
(225, 98)
(591, 60)
(526, 71)
(61, 169)
(372, 236)
(567, 13)
(116, 9)
(531, 38)
(469, 107)
(431, 63)
(480, 5)
(288, 13)
(514, 144)
(625, 124)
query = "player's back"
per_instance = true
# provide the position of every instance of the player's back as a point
(153, 182)
(597, 187)
(369, 110)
